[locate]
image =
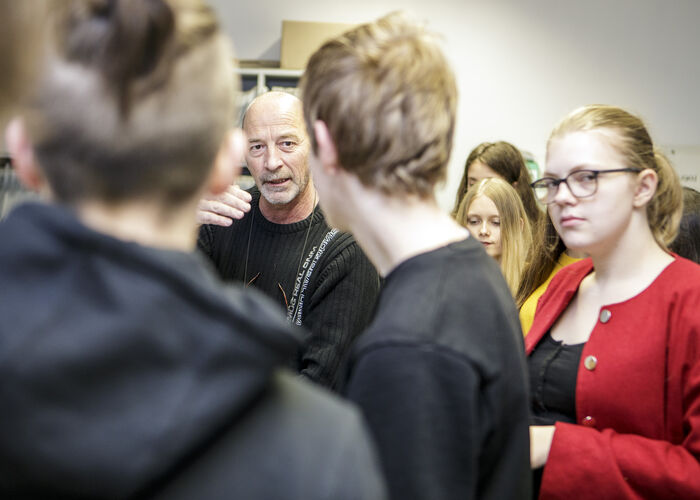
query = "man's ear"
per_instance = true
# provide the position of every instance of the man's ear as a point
(327, 152)
(20, 148)
(647, 181)
(228, 162)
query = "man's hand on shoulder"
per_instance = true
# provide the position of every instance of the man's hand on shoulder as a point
(222, 209)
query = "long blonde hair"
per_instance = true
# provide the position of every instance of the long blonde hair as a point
(516, 235)
(508, 162)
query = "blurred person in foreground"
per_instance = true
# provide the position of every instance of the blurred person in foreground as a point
(129, 369)
(21, 43)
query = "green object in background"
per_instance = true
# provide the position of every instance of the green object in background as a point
(532, 167)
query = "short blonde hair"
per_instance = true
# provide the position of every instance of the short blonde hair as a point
(388, 97)
(516, 234)
(630, 138)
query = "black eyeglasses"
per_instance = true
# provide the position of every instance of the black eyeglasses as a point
(582, 183)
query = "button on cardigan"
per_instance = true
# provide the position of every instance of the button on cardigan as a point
(639, 408)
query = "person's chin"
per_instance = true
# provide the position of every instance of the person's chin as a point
(492, 252)
(277, 197)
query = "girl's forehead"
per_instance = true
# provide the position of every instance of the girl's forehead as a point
(586, 149)
(483, 204)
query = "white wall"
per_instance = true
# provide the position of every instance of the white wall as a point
(522, 64)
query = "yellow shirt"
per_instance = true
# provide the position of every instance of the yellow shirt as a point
(527, 311)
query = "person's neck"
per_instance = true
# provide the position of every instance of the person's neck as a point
(296, 210)
(632, 261)
(146, 223)
(575, 254)
(391, 230)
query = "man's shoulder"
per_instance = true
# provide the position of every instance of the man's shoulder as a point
(337, 244)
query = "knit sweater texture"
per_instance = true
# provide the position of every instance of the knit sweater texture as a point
(317, 273)
(440, 377)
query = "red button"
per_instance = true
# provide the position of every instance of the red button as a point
(588, 421)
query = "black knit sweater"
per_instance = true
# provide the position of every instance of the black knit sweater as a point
(318, 274)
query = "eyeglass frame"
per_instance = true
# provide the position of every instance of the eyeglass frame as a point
(556, 182)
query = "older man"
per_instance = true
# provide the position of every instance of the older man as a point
(283, 245)
(440, 372)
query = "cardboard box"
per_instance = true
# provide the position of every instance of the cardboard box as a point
(300, 39)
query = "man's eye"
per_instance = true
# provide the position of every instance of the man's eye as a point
(287, 144)
(256, 147)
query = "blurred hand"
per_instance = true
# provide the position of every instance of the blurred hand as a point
(541, 437)
(222, 209)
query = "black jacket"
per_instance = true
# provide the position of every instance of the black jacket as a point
(130, 371)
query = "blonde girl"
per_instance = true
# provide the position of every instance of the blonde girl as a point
(494, 214)
(613, 349)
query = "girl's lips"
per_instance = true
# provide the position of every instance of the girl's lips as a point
(569, 221)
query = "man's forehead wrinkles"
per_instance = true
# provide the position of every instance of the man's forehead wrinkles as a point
(267, 121)
(274, 134)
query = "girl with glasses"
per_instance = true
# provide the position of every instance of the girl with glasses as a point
(613, 350)
(493, 213)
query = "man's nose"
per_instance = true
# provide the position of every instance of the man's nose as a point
(272, 159)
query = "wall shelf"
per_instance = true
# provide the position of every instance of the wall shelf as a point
(265, 78)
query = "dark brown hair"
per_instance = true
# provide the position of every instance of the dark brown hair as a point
(135, 101)
(544, 252)
(687, 243)
(507, 161)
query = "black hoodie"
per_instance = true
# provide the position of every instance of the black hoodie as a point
(122, 366)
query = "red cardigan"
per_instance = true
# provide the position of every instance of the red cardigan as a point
(637, 392)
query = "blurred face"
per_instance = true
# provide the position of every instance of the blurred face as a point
(593, 223)
(278, 148)
(478, 171)
(484, 223)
